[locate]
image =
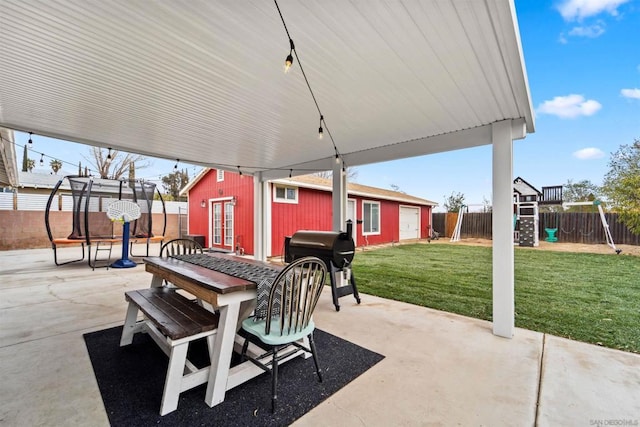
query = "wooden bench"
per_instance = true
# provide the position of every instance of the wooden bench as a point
(173, 321)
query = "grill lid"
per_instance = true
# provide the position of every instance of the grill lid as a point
(337, 247)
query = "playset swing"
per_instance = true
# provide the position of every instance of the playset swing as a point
(603, 219)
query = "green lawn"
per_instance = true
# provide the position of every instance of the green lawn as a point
(586, 297)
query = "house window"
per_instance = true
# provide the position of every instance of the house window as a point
(283, 194)
(371, 218)
(220, 175)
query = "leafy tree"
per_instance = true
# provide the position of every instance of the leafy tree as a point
(117, 165)
(622, 184)
(454, 202)
(56, 165)
(581, 191)
(174, 182)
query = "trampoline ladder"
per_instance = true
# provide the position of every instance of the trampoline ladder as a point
(106, 247)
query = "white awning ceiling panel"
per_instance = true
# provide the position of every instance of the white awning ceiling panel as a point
(202, 81)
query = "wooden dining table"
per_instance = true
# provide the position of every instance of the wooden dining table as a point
(233, 297)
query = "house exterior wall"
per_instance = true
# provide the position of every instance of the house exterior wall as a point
(311, 212)
(210, 189)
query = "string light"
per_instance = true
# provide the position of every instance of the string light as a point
(289, 61)
(30, 141)
(290, 172)
(41, 159)
(109, 155)
(175, 168)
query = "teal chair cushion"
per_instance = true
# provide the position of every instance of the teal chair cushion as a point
(274, 338)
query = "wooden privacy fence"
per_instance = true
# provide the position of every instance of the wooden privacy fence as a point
(572, 227)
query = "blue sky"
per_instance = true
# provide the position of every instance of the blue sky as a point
(583, 65)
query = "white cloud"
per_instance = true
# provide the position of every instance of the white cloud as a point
(591, 31)
(631, 93)
(579, 9)
(570, 106)
(589, 153)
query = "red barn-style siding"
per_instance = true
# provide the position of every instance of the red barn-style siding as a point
(312, 210)
(212, 191)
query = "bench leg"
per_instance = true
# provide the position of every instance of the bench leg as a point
(173, 382)
(130, 325)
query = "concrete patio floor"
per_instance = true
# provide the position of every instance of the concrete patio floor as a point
(439, 368)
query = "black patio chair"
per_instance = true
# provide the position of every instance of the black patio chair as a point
(287, 318)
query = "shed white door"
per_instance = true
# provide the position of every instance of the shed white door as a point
(409, 223)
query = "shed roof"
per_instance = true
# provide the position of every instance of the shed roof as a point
(354, 189)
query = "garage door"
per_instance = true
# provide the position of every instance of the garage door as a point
(409, 223)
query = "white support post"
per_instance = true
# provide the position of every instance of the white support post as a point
(339, 197)
(503, 264)
(261, 218)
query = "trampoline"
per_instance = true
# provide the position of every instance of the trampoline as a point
(90, 225)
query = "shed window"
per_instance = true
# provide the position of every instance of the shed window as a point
(283, 194)
(371, 220)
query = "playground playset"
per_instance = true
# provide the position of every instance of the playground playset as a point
(526, 201)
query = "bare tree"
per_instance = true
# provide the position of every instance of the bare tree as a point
(352, 174)
(116, 166)
(396, 187)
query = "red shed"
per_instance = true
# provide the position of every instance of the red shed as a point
(221, 206)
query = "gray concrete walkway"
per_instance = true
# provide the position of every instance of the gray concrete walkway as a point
(439, 369)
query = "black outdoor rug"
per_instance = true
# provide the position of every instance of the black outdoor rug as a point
(131, 380)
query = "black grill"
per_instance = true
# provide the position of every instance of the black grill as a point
(336, 249)
(330, 246)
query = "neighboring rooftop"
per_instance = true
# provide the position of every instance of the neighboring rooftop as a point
(40, 180)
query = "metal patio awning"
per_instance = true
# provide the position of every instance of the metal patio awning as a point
(202, 81)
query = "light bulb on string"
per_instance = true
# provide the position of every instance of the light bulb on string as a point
(289, 61)
(175, 167)
(41, 159)
(337, 159)
(30, 140)
(290, 172)
(320, 133)
(109, 155)
(240, 172)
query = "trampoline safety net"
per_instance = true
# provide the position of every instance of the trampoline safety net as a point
(92, 197)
